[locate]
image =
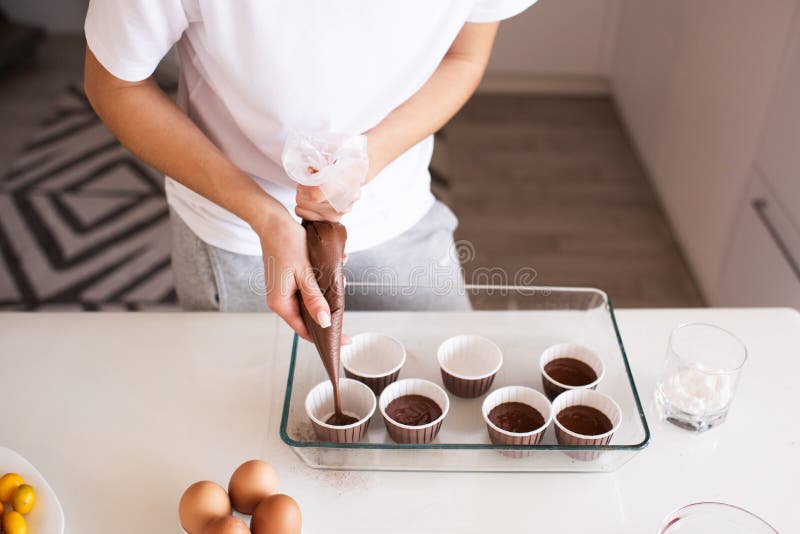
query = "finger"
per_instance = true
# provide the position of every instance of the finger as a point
(308, 214)
(302, 198)
(319, 207)
(316, 194)
(331, 215)
(312, 215)
(303, 193)
(346, 340)
(312, 296)
(300, 191)
(311, 192)
(288, 309)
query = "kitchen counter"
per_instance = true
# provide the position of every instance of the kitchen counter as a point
(120, 412)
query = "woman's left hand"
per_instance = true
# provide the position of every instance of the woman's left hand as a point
(312, 205)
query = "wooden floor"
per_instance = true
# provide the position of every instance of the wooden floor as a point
(551, 184)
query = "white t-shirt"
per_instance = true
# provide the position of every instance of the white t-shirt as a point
(251, 70)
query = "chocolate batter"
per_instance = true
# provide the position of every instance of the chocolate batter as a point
(341, 420)
(585, 420)
(413, 410)
(570, 372)
(325, 241)
(516, 417)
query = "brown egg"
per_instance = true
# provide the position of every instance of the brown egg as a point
(251, 482)
(278, 514)
(200, 503)
(226, 525)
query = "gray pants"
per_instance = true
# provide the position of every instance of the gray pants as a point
(417, 270)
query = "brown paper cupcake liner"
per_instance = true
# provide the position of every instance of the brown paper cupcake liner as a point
(500, 438)
(357, 401)
(340, 435)
(525, 395)
(469, 364)
(377, 384)
(465, 388)
(401, 433)
(373, 359)
(553, 388)
(594, 399)
(411, 435)
(552, 391)
(568, 439)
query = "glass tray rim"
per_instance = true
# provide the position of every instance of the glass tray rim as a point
(548, 290)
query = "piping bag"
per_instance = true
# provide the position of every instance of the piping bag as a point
(325, 241)
(338, 164)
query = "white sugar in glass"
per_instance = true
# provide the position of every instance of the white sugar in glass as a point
(700, 374)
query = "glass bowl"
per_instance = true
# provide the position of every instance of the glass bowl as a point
(714, 518)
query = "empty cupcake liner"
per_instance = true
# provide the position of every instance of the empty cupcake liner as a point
(469, 364)
(401, 433)
(553, 388)
(593, 399)
(374, 359)
(357, 401)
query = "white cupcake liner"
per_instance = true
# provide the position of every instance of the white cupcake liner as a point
(469, 364)
(586, 397)
(522, 394)
(470, 357)
(358, 400)
(593, 399)
(413, 386)
(553, 387)
(374, 359)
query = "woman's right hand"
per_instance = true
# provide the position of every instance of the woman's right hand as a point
(288, 270)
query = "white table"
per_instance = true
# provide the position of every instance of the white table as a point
(120, 412)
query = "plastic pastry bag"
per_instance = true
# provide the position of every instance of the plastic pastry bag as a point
(338, 163)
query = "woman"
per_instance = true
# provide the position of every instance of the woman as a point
(252, 70)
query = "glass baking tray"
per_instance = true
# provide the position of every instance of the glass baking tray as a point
(523, 321)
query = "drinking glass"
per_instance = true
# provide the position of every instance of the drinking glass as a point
(700, 375)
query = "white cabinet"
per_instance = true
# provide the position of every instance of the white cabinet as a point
(762, 265)
(693, 81)
(778, 156)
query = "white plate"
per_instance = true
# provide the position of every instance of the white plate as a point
(47, 517)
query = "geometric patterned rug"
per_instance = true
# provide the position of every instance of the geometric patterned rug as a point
(83, 223)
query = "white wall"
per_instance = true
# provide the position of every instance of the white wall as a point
(692, 80)
(557, 44)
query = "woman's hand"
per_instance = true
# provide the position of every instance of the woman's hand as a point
(287, 270)
(312, 205)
